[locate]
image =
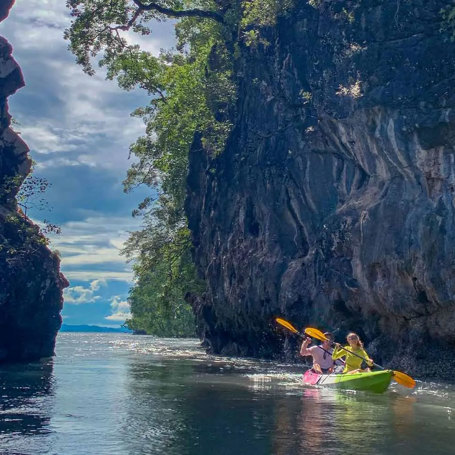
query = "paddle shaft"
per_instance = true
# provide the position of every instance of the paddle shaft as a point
(360, 357)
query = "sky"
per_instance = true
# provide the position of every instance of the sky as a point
(79, 130)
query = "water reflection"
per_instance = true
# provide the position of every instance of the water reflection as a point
(122, 395)
(24, 403)
(181, 408)
(325, 421)
(189, 408)
(404, 416)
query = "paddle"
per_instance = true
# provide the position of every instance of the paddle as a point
(398, 376)
(290, 327)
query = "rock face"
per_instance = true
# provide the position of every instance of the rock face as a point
(333, 202)
(31, 284)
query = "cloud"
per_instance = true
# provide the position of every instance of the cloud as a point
(78, 295)
(121, 309)
(79, 130)
(88, 274)
(61, 109)
(90, 249)
(48, 139)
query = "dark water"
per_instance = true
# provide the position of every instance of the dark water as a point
(119, 394)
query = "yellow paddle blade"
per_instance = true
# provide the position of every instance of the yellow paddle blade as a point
(404, 379)
(315, 333)
(286, 324)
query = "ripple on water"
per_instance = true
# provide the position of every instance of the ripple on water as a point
(119, 394)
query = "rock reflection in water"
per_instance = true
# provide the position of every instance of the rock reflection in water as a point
(25, 406)
(181, 408)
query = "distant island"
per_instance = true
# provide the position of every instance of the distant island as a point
(93, 328)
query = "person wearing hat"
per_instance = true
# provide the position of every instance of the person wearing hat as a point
(322, 354)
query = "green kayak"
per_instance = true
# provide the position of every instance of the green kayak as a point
(374, 381)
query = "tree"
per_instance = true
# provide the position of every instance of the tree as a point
(98, 24)
(31, 196)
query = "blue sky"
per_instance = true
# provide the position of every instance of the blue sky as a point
(79, 130)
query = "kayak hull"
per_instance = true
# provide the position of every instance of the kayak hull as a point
(373, 381)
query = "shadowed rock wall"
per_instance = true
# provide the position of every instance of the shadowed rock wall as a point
(31, 284)
(333, 203)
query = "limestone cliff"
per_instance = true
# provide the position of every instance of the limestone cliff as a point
(30, 281)
(333, 202)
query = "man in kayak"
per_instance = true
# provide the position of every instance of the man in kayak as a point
(322, 354)
(353, 364)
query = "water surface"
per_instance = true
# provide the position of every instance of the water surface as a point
(121, 394)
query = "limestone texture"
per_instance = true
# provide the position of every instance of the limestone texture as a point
(31, 284)
(333, 203)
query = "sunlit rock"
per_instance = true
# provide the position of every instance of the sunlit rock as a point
(333, 202)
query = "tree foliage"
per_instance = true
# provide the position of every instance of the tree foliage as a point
(157, 300)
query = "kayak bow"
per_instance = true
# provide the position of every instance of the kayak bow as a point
(373, 381)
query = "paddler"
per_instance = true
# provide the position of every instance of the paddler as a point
(323, 362)
(353, 364)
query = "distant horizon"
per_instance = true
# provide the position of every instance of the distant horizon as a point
(93, 328)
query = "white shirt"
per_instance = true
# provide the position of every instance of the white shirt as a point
(321, 357)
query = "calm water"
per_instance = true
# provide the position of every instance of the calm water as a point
(119, 394)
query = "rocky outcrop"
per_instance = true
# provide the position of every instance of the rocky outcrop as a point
(333, 202)
(31, 284)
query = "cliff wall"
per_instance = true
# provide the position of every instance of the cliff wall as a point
(333, 202)
(31, 284)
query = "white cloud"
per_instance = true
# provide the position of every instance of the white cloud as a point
(95, 256)
(120, 308)
(47, 139)
(78, 295)
(89, 274)
(95, 240)
(45, 21)
(90, 249)
(89, 114)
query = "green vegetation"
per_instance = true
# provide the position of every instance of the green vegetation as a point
(448, 23)
(191, 89)
(19, 241)
(157, 299)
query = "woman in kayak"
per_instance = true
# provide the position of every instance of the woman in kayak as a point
(353, 364)
(322, 354)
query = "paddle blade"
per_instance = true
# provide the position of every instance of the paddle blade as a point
(315, 333)
(404, 379)
(286, 324)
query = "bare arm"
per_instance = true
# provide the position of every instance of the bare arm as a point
(304, 349)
